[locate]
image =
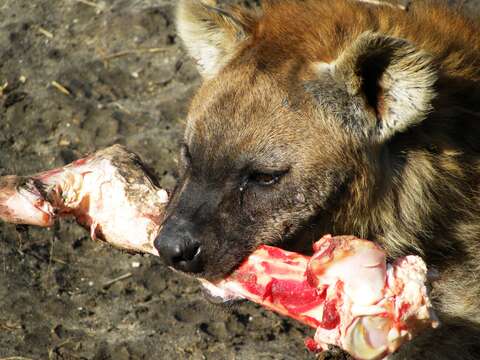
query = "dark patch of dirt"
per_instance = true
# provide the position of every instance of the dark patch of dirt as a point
(128, 82)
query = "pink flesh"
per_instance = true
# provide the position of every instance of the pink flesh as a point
(23, 205)
(95, 192)
(345, 290)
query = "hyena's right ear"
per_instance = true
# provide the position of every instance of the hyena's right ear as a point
(389, 81)
(211, 35)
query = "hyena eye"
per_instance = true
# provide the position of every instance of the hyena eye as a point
(266, 179)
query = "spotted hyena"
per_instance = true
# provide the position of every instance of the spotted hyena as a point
(342, 117)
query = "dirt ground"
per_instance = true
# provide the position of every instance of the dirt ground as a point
(77, 76)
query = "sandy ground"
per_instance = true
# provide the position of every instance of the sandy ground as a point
(78, 76)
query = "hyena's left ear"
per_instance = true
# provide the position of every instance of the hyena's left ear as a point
(391, 80)
(210, 34)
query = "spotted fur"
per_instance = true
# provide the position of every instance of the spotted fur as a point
(371, 113)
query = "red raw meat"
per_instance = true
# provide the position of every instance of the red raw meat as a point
(346, 290)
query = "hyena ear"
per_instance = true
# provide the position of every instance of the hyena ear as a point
(394, 79)
(210, 34)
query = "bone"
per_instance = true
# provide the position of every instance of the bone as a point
(346, 290)
(111, 193)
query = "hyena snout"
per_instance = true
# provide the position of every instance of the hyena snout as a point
(178, 247)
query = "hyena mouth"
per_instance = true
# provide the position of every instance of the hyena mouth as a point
(300, 238)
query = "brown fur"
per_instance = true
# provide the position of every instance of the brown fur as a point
(372, 117)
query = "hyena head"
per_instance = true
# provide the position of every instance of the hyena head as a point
(273, 138)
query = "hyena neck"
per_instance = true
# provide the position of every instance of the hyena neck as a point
(420, 193)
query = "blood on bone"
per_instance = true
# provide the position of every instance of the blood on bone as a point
(345, 290)
(330, 317)
(311, 345)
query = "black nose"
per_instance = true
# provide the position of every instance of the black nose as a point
(178, 249)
